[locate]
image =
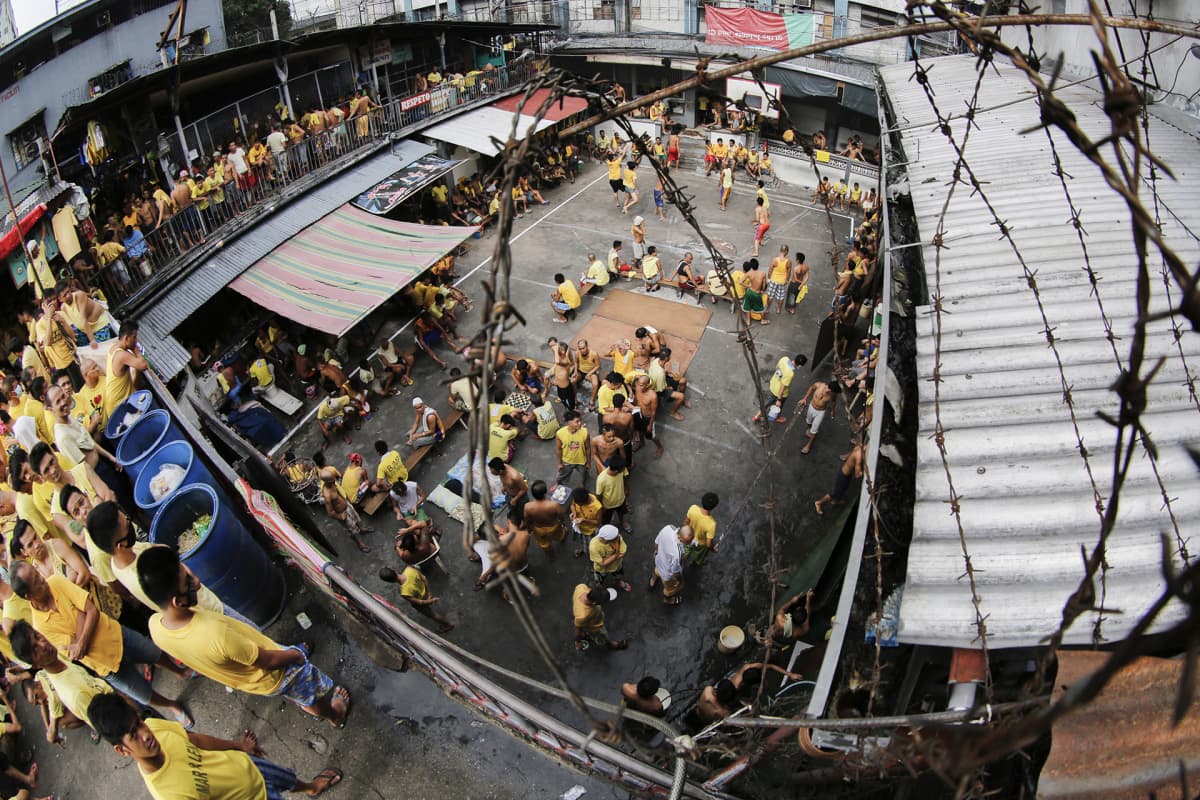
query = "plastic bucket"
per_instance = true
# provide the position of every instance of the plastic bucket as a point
(181, 454)
(226, 559)
(147, 435)
(137, 404)
(731, 639)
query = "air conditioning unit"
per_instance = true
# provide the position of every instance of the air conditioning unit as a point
(801, 5)
(104, 19)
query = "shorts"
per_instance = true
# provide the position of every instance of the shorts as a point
(546, 538)
(814, 417)
(840, 486)
(279, 780)
(654, 279)
(776, 291)
(761, 232)
(569, 472)
(672, 154)
(617, 185)
(429, 338)
(639, 250)
(334, 422)
(658, 198)
(559, 305)
(644, 426)
(304, 684)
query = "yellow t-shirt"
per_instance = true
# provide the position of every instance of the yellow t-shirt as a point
(570, 294)
(498, 441)
(614, 169)
(260, 371)
(703, 525)
(414, 584)
(88, 402)
(720, 150)
(766, 200)
(630, 178)
(352, 478)
(61, 350)
(332, 407)
(622, 363)
(598, 274)
(610, 489)
(587, 617)
(782, 377)
(391, 468)
(127, 576)
(604, 398)
(498, 410)
(574, 445)
(587, 518)
(190, 773)
(37, 410)
(18, 609)
(650, 266)
(104, 656)
(220, 648)
(75, 688)
(598, 550)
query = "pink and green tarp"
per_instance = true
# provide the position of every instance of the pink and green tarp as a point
(334, 273)
(749, 27)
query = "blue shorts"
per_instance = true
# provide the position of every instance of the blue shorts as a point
(278, 779)
(658, 198)
(304, 684)
(558, 305)
(128, 679)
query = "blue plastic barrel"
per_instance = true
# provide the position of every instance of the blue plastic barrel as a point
(180, 454)
(147, 435)
(226, 559)
(139, 402)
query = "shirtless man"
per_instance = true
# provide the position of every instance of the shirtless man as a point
(543, 518)
(516, 490)
(587, 368)
(762, 221)
(604, 445)
(186, 215)
(621, 419)
(513, 554)
(798, 284)
(647, 402)
(565, 374)
(643, 696)
(648, 343)
(717, 702)
(754, 279)
(673, 150)
(819, 399)
(339, 508)
(851, 468)
(416, 545)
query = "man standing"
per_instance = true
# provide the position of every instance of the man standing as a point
(589, 618)
(339, 507)
(851, 468)
(669, 547)
(646, 400)
(798, 288)
(726, 183)
(564, 373)
(613, 162)
(516, 490)
(573, 448)
(427, 425)
(56, 339)
(781, 379)
(622, 420)
(415, 590)
(228, 651)
(585, 512)
(124, 363)
(607, 553)
(610, 488)
(778, 276)
(543, 518)
(74, 686)
(604, 445)
(629, 181)
(762, 221)
(176, 764)
(819, 399)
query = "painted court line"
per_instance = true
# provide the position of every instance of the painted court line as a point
(698, 436)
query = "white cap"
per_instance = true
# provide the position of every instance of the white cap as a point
(638, 220)
(608, 532)
(612, 594)
(418, 402)
(32, 244)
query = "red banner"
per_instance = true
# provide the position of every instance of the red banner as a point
(745, 27)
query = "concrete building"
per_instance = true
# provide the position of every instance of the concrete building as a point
(8, 23)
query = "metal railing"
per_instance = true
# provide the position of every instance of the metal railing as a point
(159, 249)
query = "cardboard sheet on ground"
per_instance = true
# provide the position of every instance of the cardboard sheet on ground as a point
(683, 320)
(621, 312)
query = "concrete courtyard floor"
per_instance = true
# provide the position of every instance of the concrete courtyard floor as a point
(404, 737)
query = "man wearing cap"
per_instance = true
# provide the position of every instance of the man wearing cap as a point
(427, 425)
(40, 274)
(338, 507)
(669, 547)
(355, 480)
(589, 618)
(607, 553)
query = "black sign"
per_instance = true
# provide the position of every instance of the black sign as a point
(389, 193)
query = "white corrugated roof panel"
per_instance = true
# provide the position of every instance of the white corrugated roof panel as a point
(1027, 504)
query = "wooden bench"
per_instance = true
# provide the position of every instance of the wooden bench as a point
(449, 422)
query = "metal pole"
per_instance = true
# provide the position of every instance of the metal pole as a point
(20, 234)
(187, 162)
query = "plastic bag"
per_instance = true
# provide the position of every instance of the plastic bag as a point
(166, 481)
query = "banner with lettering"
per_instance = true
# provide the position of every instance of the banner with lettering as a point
(748, 27)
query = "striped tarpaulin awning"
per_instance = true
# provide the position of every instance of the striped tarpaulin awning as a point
(335, 272)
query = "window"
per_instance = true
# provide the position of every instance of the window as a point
(877, 19)
(26, 140)
(109, 79)
(605, 10)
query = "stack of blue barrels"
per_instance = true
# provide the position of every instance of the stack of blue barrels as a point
(226, 558)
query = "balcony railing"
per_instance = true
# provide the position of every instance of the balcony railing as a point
(174, 239)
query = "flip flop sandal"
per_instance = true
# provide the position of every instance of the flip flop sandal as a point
(332, 778)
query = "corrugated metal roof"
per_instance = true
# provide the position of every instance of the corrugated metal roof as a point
(237, 255)
(1026, 501)
(1093, 758)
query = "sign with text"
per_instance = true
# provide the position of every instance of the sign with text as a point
(398, 187)
(748, 27)
(414, 101)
